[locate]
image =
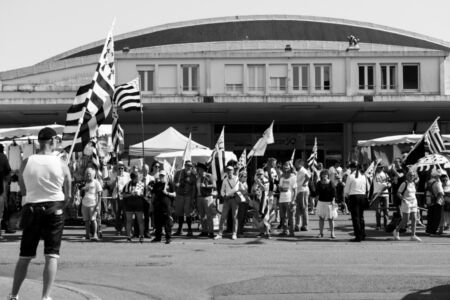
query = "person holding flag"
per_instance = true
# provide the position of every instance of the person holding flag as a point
(228, 191)
(185, 183)
(205, 201)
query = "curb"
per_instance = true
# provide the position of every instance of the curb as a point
(72, 290)
(83, 293)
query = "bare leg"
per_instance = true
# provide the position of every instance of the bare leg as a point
(20, 274)
(87, 229)
(129, 223)
(413, 224)
(51, 265)
(94, 222)
(403, 222)
(331, 222)
(321, 225)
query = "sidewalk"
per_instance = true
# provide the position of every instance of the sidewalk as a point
(32, 290)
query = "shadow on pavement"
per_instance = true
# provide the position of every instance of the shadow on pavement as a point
(440, 292)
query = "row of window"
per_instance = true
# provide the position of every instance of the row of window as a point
(389, 77)
(278, 77)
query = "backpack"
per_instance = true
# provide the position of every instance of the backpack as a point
(430, 197)
(397, 200)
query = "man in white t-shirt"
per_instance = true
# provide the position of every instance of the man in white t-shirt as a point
(46, 185)
(303, 177)
(288, 189)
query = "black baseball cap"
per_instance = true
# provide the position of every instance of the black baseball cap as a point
(46, 134)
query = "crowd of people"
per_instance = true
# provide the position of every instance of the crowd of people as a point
(278, 199)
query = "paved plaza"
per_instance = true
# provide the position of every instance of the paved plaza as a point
(303, 267)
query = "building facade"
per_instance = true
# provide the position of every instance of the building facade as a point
(306, 73)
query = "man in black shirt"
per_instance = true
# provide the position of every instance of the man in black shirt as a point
(163, 195)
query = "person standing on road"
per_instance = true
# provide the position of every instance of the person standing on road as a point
(326, 206)
(302, 197)
(5, 170)
(260, 193)
(185, 182)
(163, 195)
(380, 187)
(91, 202)
(133, 197)
(287, 188)
(148, 181)
(407, 193)
(42, 178)
(230, 186)
(357, 189)
(435, 200)
(122, 179)
(205, 201)
(243, 204)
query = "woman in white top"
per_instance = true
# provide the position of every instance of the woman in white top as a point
(407, 193)
(356, 189)
(288, 190)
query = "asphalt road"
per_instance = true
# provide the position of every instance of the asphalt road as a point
(303, 267)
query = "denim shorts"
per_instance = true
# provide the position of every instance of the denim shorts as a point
(42, 220)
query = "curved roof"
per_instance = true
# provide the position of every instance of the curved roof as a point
(263, 28)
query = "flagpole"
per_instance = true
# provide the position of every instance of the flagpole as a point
(142, 128)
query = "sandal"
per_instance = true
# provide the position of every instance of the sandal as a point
(320, 235)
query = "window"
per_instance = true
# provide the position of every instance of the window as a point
(388, 77)
(411, 77)
(256, 78)
(146, 77)
(167, 79)
(190, 78)
(234, 78)
(322, 75)
(278, 84)
(300, 77)
(278, 78)
(365, 76)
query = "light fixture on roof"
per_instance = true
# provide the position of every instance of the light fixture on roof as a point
(126, 49)
(288, 48)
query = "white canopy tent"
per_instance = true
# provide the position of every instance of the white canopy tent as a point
(197, 155)
(14, 133)
(169, 140)
(389, 147)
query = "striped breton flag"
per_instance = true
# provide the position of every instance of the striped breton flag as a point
(312, 160)
(218, 157)
(433, 139)
(95, 98)
(128, 96)
(117, 132)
